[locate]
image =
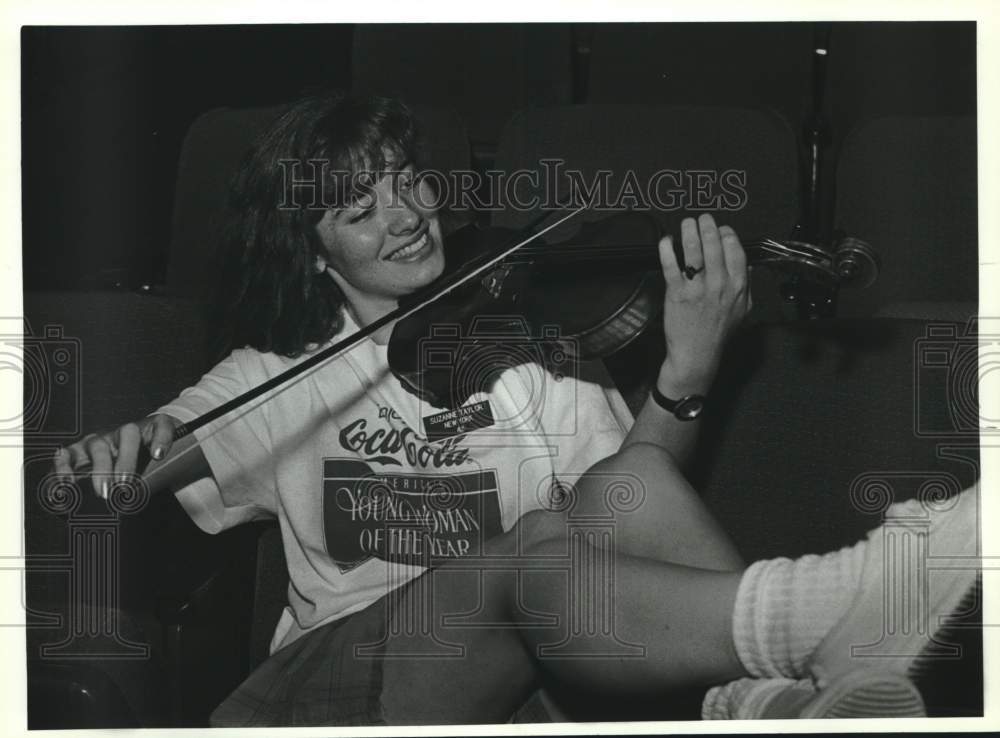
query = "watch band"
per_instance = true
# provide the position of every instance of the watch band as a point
(662, 400)
(686, 408)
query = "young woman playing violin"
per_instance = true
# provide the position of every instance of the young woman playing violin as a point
(438, 559)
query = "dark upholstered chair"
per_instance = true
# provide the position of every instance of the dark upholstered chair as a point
(764, 64)
(483, 71)
(646, 139)
(907, 185)
(701, 144)
(98, 655)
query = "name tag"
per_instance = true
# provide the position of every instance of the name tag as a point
(458, 421)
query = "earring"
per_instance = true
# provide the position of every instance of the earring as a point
(320, 265)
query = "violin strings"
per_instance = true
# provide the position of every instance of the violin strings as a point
(582, 252)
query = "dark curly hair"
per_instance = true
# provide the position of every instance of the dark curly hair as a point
(272, 296)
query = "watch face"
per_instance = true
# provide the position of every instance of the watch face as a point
(690, 407)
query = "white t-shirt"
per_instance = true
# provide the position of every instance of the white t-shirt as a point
(343, 460)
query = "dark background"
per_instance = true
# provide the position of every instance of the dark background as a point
(105, 109)
(104, 113)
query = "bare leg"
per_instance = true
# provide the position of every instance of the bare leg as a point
(657, 514)
(673, 624)
(676, 620)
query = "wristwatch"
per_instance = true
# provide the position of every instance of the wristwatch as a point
(688, 407)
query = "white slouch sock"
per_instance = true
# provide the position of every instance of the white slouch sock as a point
(750, 699)
(802, 619)
(785, 607)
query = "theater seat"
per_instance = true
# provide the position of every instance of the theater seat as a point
(809, 409)
(103, 646)
(744, 161)
(689, 139)
(907, 186)
(482, 71)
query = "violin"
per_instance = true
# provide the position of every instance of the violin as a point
(548, 304)
(586, 299)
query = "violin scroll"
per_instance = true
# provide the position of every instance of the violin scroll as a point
(816, 274)
(851, 263)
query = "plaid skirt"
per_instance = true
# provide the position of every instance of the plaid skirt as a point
(329, 676)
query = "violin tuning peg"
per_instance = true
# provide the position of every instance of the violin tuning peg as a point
(857, 263)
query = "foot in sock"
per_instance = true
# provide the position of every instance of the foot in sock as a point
(820, 615)
(862, 693)
(921, 567)
(751, 699)
(874, 607)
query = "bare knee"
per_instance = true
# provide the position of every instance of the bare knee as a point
(625, 481)
(533, 527)
(641, 456)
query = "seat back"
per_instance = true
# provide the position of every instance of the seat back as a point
(891, 68)
(128, 353)
(210, 154)
(270, 592)
(639, 141)
(816, 421)
(764, 64)
(743, 162)
(483, 71)
(907, 185)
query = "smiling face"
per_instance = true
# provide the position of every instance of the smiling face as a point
(385, 244)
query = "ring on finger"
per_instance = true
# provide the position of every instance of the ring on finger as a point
(691, 272)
